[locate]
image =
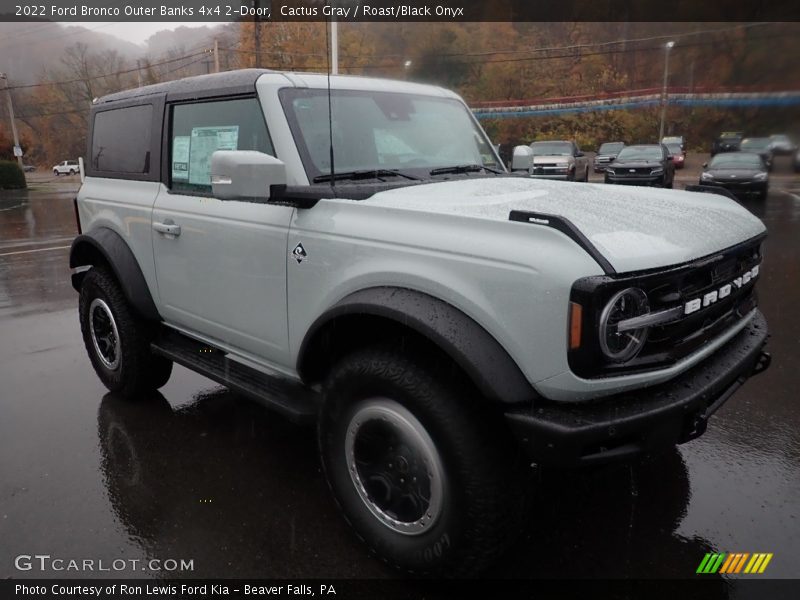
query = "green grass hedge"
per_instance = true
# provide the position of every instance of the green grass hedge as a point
(11, 176)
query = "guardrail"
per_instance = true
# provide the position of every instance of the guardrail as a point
(633, 99)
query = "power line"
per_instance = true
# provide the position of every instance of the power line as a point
(93, 77)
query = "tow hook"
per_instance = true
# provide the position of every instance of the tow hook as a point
(762, 362)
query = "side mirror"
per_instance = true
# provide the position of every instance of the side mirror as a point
(245, 174)
(522, 158)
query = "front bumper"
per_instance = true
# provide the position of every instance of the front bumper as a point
(647, 420)
(741, 187)
(635, 179)
(556, 176)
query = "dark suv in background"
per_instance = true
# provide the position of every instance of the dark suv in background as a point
(606, 153)
(728, 141)
(642, 164)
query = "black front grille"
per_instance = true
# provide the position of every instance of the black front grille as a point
(665, 290)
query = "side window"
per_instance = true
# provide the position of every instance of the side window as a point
(201, 128)
(121, 140)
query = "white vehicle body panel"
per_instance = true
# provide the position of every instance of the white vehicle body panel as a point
(230, 279)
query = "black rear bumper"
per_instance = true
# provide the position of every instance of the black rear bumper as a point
(645, 420)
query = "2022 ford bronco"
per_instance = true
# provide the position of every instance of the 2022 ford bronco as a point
(376, 270)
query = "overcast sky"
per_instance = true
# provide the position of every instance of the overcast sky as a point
(137, 32)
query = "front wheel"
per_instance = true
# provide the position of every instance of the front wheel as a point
(117, 341)
(424, 474)
(55, 172)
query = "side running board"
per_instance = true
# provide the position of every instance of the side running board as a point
(294, 400)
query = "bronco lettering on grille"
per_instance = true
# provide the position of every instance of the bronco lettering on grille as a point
(697, 303)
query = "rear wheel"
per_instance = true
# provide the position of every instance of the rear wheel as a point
(423, 473)
(117, 341)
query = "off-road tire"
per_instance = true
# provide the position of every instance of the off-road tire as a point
(138, 371)
(485, 489)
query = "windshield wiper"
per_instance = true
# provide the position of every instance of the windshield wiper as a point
(362, 174)
(471, 168)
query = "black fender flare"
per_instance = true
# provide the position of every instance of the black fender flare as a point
(496, 375)
(107, 244)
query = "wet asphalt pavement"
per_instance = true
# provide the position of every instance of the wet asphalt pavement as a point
(197, 473)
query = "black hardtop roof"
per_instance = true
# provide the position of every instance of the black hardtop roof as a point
(242, 81)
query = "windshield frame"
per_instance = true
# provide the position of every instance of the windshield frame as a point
(287, 95)
(572, 148)
(728, 160)
(618, 146)
(653, 147)
(759, 144)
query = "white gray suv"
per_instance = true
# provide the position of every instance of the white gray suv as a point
(376, 271)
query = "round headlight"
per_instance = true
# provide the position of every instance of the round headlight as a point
(621, 346)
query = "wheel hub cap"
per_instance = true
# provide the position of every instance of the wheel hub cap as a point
(394, 466)
(104, 334)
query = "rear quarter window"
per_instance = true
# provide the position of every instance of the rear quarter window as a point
(121, 140)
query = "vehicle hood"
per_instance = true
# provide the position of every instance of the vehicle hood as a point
(636, 164)
(733, 173)
(551, 158)
(632, 228)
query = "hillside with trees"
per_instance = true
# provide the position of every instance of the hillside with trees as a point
(482, 61)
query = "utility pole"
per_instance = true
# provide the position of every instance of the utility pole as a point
(216, 56)
(334, 46)
(256, 35)
(667, 47)
(17, 149)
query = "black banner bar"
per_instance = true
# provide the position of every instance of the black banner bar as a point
(355, 11)
(705, 587)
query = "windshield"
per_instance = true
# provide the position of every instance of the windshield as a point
(736, 160)
(672, 140)
(731, 134)
(640, 153)
(383, 131)
(756, 144)
(674, 148)
(551, 148)
(610, 147)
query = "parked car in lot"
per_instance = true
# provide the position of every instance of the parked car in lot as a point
(761, 146)
(782, 144)
(442, 323)
(559, 159)
(738, 172)
(675, 139)
(28, 168)
(677, 154)
(605, 154)
(642, 164)
(728, 141)
(68, 167)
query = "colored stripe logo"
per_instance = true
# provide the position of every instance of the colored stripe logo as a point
(732, 563)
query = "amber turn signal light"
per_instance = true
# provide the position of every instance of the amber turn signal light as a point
(575, 322)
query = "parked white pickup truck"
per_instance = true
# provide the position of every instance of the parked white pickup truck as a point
(67, 167)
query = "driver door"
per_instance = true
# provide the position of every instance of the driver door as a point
(220, 264)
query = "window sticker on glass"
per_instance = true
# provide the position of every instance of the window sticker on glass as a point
(180, 158)
(204, 142)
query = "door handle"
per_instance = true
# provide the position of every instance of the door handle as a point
(167, 228)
